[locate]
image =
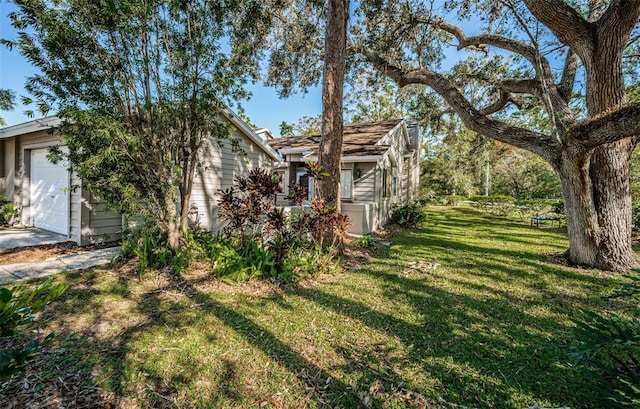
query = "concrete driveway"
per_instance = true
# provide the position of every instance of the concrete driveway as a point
(13, 238)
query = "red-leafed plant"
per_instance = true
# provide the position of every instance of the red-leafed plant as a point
(256, 223)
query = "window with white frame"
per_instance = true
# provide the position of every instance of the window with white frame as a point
(346, 183)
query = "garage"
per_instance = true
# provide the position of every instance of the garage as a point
(49, 193)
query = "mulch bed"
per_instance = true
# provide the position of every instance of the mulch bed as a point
(42, 252)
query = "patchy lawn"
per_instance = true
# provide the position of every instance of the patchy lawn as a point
(33, 254)
(472, 309)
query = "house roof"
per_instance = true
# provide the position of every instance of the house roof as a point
(53, 121)
(362, 139)
(29, 127)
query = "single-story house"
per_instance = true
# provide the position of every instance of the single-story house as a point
(380, 169)
(42, 191)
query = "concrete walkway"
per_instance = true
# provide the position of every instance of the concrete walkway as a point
(14, 238)
(75, 261)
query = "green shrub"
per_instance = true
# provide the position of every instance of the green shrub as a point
(150, 245)
(635, 214)
(409, 215)
(18, 307)
(366, 241)
(452, 200)
(492, 199)
(264, 236)
(8, 211)
(558, 207)
(606, 348)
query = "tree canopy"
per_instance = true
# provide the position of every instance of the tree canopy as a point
(495, 62)
(141, 87)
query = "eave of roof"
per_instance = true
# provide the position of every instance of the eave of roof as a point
(30, 127)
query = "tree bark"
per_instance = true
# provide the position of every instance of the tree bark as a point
(173, 228)
(330, 150)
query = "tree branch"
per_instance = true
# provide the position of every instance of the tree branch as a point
(500, 103)
(565, 88)
(520, 86)
(606, 128)
(619, 20)
(565, 23)
(464, 41)
(536, 142)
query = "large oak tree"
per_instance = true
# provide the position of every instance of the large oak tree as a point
(591, 155)
(568, 58)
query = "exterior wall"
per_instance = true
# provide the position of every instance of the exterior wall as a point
(219, 167)
(8, 171)
(364, 217)
(89, 222)
(411, 176)
(364, 188)
(98, 224)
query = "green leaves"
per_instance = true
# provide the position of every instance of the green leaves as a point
(18, 305)
(606, 348)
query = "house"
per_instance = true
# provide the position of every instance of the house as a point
(380, 169)
(42, 189)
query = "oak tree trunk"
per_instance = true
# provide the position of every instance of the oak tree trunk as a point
(596, 186)
(330, 150)
(596, 190)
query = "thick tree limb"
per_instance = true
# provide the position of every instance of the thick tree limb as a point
(565, 23)
(565, 88)
(518, 47)
(499, 104)
(619, 20)
(536, 142)
(606, 128)
(520, 86)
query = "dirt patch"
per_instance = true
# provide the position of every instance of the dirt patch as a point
(43, 252)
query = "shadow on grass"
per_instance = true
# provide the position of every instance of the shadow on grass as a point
(481, 346)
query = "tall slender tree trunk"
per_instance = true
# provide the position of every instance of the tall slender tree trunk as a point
(330, 150)
(173, 228)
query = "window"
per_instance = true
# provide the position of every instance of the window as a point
(395, 186)
(346, 179)
(386, 183)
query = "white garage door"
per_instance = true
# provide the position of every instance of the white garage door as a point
(49, 196)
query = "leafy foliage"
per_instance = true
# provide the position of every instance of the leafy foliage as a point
(410, 215)
(607, 349)
(18, 307)
(261, 239)
(7, 102)
(297, 194)
(510, 206)
(366, 241)
(8, 211)
(142, 87)
(149, 244)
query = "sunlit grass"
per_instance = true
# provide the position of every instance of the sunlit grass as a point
(485, 328)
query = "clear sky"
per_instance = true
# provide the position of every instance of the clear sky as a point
(264, 109)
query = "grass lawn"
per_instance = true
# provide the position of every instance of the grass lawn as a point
(485, 328)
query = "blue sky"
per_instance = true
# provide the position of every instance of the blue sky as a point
(265, 108)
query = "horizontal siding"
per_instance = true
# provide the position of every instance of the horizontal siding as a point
(220, 167)
(364, 188)
(101, 224)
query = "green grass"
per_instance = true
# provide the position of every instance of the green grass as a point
(484, 329)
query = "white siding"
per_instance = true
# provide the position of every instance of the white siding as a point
(219, 167)
(364, 188)
(99, 224)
